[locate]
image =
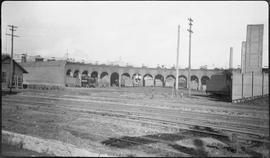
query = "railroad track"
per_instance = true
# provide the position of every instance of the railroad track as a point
(197, 109)
(133, 141)
(83, 107)
(168, 102)
(156, 111)
(151, 140)
(108, 137)
(161, 117)
(149, 101)
(150, 120)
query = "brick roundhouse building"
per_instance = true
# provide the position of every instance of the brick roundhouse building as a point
(62, 73)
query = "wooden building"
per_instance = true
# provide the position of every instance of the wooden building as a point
(6, 73)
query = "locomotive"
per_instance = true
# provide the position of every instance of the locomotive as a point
(88, 81)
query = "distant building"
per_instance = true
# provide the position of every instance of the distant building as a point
(6, 73)
(63, 73)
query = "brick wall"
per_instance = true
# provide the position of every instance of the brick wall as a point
(45, 73)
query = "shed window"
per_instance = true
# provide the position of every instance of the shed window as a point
(20, 81)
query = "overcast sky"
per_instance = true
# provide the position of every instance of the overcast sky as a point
(137, 32)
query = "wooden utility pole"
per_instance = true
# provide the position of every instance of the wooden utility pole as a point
(12, 28)
(67, 55)
(189, 61)
(177, 58)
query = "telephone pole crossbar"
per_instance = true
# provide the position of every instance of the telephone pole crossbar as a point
(189, 61)
(12, 28)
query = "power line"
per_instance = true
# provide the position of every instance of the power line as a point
(12, 28)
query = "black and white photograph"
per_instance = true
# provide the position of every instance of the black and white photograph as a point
(135, 79)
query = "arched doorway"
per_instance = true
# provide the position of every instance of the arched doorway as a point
(204, 79)
(85, 73)
(136, 79)
(94, 82)
(104, 79)
(182, 81)
(170, 81)
(115, 79)
(148, 80)
(159, 81)
(94, 74)
(76, 73)
(84, 81)
(126, 80)
(194, 84)
(69, 73)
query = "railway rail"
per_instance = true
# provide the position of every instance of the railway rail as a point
(149, 101)
(151, 119)
(247, 129)
(117, 111)
(133, 141)
(155, 110)
(199, 108)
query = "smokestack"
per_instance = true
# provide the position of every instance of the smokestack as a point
(231, 58)
(23, 59)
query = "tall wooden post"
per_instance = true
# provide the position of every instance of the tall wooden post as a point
(12, 28)
(177, 58)
(189, 61)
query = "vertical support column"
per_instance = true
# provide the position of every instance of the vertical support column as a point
(200, 84)
(262, 82)
(252, 83)
(163, 82)
(119, 78)
(109, 75)
(231, 58)
(80, 78)
(242, 86)
(98, 79)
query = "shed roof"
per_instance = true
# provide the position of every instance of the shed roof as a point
(6, 57)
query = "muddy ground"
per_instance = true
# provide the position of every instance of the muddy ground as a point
(141, 121)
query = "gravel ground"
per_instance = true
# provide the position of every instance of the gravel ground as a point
(140, 121)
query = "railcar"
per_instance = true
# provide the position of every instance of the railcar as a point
(220, 84)
(88, 81)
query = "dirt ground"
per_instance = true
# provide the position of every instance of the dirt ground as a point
(141, 121)
(10, 150)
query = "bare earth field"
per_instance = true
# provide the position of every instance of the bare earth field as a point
(141, 121)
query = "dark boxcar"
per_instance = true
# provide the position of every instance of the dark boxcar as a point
(220, 84)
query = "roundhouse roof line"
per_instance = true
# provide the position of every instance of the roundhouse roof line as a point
(127, 67)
